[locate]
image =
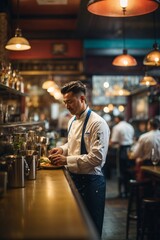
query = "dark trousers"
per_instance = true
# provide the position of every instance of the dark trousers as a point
(92, 189)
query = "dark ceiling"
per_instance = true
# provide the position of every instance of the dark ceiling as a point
(70, 19)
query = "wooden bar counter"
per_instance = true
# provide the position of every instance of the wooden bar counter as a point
(46, 208)
(152, 170)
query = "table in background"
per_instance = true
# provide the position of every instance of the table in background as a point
(153, 172)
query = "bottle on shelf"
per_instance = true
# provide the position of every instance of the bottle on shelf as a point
(2, 78)
(6, 114)
(9, 73)
(21, 84)
(17, 81)
(1, 114)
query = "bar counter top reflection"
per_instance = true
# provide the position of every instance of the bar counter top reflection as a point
(46, 208)
(152, 170)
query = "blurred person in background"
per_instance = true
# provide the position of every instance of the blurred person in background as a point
(140, 129)
(122, 135)
(85, 152)
(148, 141)
(63, 123)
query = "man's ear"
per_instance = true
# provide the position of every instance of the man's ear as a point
(83, 98)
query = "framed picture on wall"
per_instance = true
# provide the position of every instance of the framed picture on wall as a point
(140, 106)
(59, 48)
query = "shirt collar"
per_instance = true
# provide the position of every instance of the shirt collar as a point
(84, 113)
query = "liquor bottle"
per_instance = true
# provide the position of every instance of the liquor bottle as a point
(1, 114)
(21, 84)
(9, 75)
(2, 73)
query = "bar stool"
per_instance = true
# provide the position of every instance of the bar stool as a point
(137, 190)
(150, 219)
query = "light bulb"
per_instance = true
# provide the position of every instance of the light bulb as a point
(157, 60)
(106, 85)
(120, 92)
(123, 3)
(50, 89)
(18, 46)
(125, 62)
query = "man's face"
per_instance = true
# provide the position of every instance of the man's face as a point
(74, 102)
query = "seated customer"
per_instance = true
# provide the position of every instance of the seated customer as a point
(141, 152)
(140, 130)
(151, 139)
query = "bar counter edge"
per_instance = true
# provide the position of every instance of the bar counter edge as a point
(27, 217)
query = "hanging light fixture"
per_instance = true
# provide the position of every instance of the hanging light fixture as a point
(18, 43)
(48, 83)
(117, 90)
(124, 60)
(121, 8)
(148, 81)
(153, 57)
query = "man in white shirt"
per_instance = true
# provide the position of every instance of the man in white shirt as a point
(123, 135)
(148, 141)
(85, 153)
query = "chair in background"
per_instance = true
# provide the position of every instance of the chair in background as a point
(137, 191)
(150, 219)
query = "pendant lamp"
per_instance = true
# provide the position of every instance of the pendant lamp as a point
(147, 81)
(117, 90)
(47, 84)
(153, 57)
(124, 60)
(18, 43)
(121, 8)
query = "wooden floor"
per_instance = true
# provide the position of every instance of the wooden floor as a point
(114, 226)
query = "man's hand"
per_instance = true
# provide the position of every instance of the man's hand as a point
(55, 151)
(58, 159)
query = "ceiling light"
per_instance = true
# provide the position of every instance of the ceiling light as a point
(124, 60)
(18, 43)
(121, 108)
(116, 91)
(153, 57)
(148, 81)
(47, 84)
(121, 8)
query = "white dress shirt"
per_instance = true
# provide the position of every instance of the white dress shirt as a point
(122, 133)
(96, 138)
(146, 142)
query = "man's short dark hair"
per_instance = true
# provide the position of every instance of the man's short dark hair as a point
(155, 123)
(120, 117)
(74, 86)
